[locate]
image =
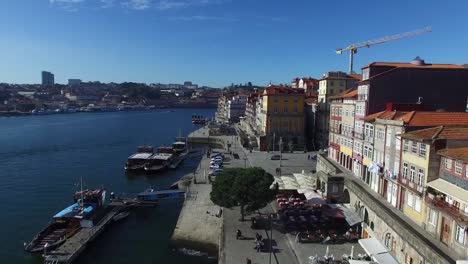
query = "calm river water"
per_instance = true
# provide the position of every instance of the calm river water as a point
(43, 157)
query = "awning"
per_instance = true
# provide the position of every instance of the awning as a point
(305, 181)
(372, 246)
(384, 258)
(449, 189)
(314, 198)
(351, 217)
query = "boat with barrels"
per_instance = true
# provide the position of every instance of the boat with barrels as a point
(138, 160)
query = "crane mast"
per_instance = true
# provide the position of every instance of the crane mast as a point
(354, 47)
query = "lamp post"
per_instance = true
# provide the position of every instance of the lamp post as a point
(281, 150)
(271, 237)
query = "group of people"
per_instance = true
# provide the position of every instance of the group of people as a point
(258, 239)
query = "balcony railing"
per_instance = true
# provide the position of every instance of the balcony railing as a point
(441, 204)
(359, 135)
(411, 185)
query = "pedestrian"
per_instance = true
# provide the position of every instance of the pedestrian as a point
(258, 246)
(308, 157)
(297, 237)
(257, 236)
(238, 234)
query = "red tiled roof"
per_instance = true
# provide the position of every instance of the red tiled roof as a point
(349, 93)
(283, 90)
(356, 76)
(311, 100)
(410, 65)
(439, 132)
(423, 118)
(455, 153)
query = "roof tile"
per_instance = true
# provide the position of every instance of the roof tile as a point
(455, 153)
(439, 132)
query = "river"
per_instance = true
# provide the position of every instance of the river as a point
(43, 157)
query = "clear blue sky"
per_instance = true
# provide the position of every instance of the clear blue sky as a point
(217, 42)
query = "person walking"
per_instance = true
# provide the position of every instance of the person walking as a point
(238, 234)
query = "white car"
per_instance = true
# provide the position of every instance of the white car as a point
(216, 166)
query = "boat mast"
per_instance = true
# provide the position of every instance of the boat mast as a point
(82, 201)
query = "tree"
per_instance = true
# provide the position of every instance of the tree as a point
(248, 188)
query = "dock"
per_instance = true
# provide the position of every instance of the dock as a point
(73, 246)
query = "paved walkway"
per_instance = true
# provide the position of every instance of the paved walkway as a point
(198, 226)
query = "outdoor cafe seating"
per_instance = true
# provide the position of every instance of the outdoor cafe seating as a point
(315, 223)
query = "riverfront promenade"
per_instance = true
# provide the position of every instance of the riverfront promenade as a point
(200, 228)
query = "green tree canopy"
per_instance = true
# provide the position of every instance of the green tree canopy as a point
(248, 188)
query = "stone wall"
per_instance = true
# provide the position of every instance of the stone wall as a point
(404, 239)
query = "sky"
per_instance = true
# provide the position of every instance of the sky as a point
(218, 42)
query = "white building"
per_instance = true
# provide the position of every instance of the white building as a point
(235, 107)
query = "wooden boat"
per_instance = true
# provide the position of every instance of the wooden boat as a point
(161, 160)
(138, 160)
(68, 221)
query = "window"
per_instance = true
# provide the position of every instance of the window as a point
(414, 147)
(331, 91)
(458, 167)
(295, 108)
(380, 134)
(422, 150)
(417, 204)
(332, 83)
(341, 83)
(409, 200)
(420, 177)
(296, 99)
(406, 145)
(460, 234)
(405, 170)
(388, 140)
(412, 173)
(448, 164)
(433, 217)
(275, 99)
(285, 109)
(285, 99)
(275, 109)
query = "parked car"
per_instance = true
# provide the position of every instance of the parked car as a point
(216, 163)
(214, 155)
(217, 160)
(216, 166)
(275, 157)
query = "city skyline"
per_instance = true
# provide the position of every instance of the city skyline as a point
(215, 42)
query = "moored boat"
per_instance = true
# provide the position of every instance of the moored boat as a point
(138, 160)
(180, 151)
(160, 160)
(68, 221)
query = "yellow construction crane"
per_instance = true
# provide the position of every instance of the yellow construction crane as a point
(354, 47)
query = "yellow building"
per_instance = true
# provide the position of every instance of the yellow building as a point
(420, 164)
(282, 118)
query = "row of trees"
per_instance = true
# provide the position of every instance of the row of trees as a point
(248, 188)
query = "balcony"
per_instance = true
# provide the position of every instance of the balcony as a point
(359, 135)
(440, 204)
(411, 185)
(369, 139)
